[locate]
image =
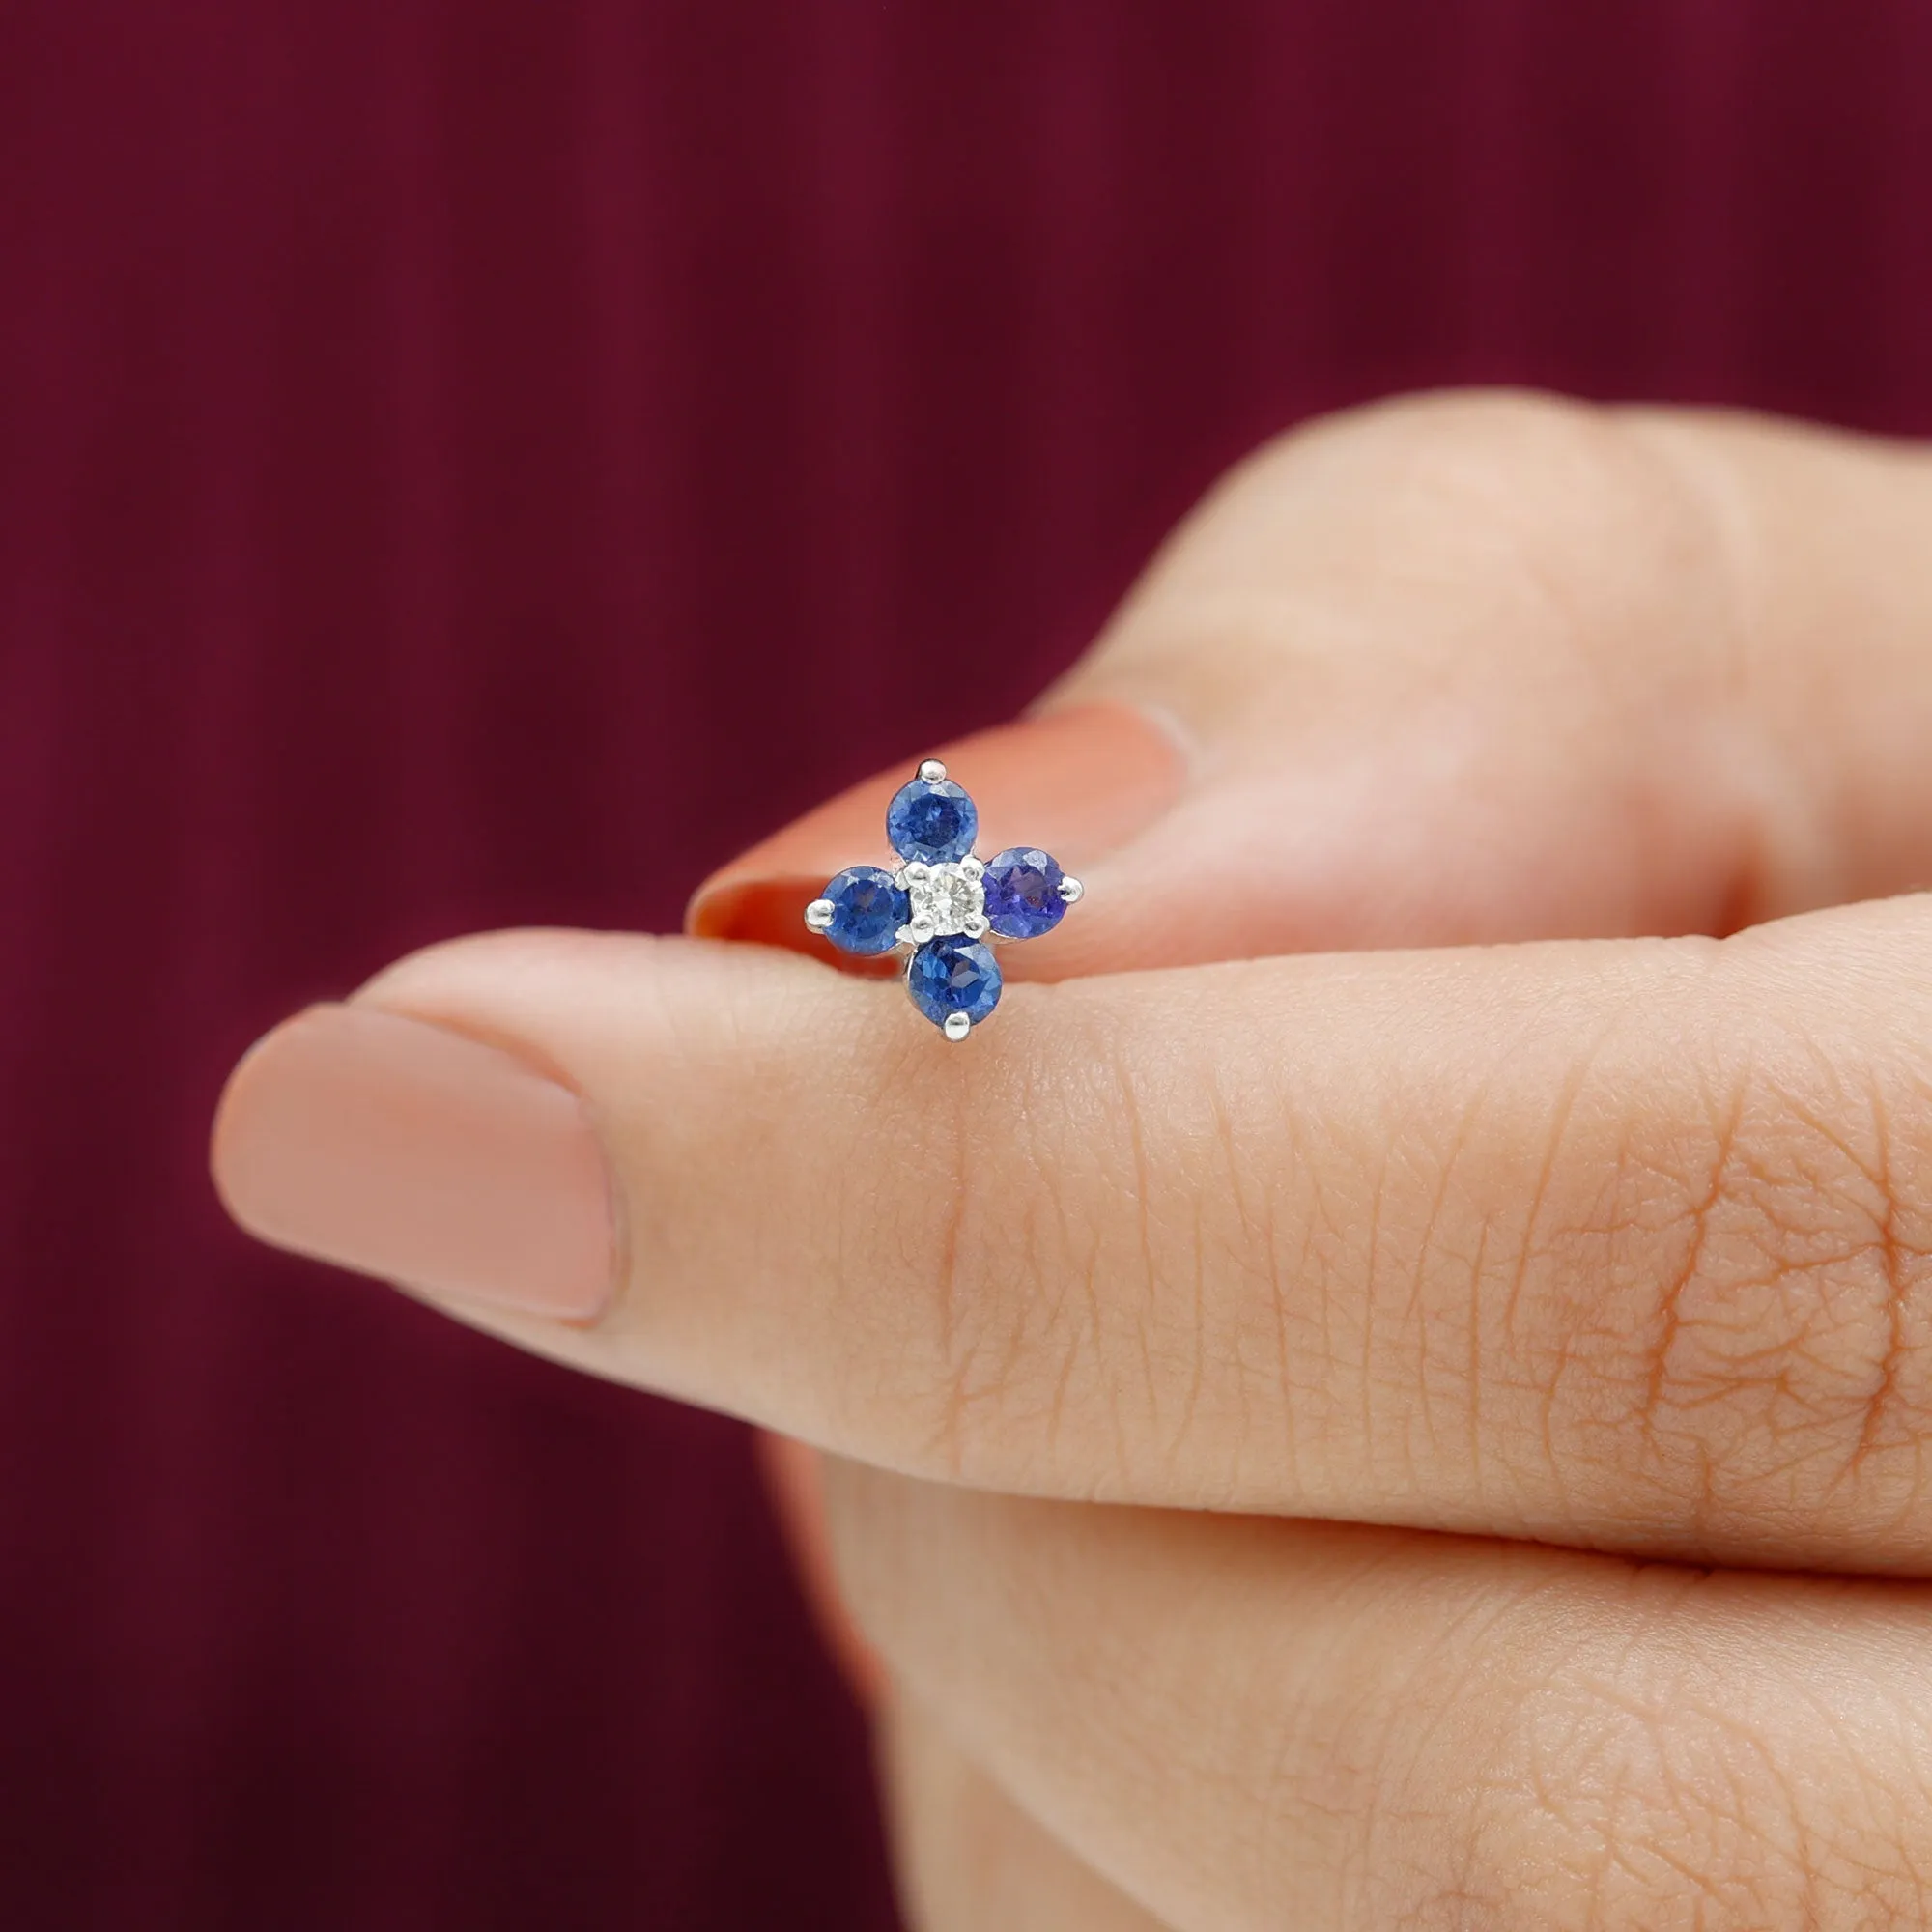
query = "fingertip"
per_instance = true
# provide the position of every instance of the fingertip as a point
(419, 1155)
(1079, 783)
(230, 1139)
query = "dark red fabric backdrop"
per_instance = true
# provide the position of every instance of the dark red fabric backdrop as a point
(474, 461)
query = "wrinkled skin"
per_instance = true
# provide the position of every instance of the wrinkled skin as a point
(1394, 1397)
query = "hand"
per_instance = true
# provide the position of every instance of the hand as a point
(1285, 1404)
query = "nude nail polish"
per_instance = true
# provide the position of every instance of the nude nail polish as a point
(418, 1155)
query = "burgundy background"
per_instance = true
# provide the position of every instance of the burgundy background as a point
(468, 462)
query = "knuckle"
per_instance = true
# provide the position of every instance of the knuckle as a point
(1532, 470)
(1565, 540)
(1773, 1268)
(1780, 1351)
(1629, 1786)
(1629, 1814)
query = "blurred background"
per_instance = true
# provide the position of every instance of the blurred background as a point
(469, 462)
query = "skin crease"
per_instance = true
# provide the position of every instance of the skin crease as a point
(1598, 1240)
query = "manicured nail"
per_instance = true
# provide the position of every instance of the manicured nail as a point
(408, 1151)
(1079, 783)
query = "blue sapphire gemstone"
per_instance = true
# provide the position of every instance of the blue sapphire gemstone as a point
(1023, 894)
(932, 821)
(867, 910)
(953, 976)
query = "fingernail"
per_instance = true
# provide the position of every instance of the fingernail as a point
(1079, 783)
(419, 1155)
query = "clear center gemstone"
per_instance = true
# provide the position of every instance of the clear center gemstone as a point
(946, 899)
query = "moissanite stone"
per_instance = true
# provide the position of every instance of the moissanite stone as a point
(953, 976)
(868, 906)
(931, 821)
(946, 899)
(1022, 891)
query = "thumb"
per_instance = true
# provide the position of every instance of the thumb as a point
(1458, 670)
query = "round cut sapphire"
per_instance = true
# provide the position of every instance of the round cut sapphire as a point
(932, 820)
(953, 976)
(1023, 894)
(867, 909)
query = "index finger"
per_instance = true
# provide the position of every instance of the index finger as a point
(1619, 1243)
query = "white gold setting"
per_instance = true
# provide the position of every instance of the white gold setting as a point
(945, 899)
(934, 910)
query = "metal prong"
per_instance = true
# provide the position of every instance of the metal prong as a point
(914, 934)
(973, 926)
(971, 867)
(932, 771)
(957, 1026)
(818, 916)
(1072, 890)
(916, 871)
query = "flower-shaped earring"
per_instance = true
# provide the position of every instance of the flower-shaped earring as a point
(942, 904)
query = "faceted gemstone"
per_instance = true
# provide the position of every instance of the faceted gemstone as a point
(867, 909)
(945, 898)
(932, 822)
(1022, 890)
(953, 976)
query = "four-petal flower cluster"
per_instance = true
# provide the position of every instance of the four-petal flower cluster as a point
(943, 903)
